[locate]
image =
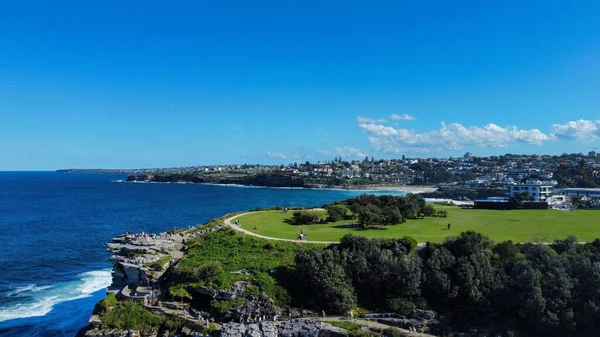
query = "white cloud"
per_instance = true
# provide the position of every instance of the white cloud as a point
(346, 152)
(451, 136)
(403, 117)
(276, 155)
(580, 129)
(361, 119)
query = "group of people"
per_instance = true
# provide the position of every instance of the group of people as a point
(200, 317)
(256, 319)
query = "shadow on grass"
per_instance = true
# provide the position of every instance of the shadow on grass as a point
(372, 229)
(346, 225)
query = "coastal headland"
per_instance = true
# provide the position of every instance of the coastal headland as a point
(242, 275)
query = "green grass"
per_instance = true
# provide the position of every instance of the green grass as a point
(159, 264)
(133, 315)
(515, 225)
(237, 252)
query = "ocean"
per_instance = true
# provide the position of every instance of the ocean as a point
(54, 225)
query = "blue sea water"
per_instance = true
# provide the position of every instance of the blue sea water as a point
(53, 227)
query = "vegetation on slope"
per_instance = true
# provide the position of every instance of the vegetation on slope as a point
(529, 289)
(116, 314)
(266, 262)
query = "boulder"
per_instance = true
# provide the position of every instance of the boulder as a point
(268, 329)
(332, 331)
(253, 330)
(309, 328)
(235, 291)
(256, 305)
(424, 314)
(233, 330)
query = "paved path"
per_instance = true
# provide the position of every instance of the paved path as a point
(245, 231)
(372, 324)
(240, 229)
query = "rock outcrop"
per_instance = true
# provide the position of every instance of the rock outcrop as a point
(133, 254)
(421, 320)
(254, 306)
(293, 328)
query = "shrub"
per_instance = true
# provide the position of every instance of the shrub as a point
(159, 265)
(336, 212)
(428, 210)
(408, 242)
(305, 218)
(208, 271)
(391, 332)
(401, 306)
(133, 254)
(133, 315)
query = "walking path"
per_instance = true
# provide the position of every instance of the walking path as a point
(228, 222)
(238, 228)
(372, 324)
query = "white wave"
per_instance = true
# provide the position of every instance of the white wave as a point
(118, 181)
(28, 288)
(23, 310)
(94, 281)
(41, 299)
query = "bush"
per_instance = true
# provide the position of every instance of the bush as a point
(336, 212)
(159, 265)
(305, 218)
(220, 307)
(391, 332)
(133, 315)
(133, 254)
(208, 271)
(409, 243)
(401, 306)
(428, 210)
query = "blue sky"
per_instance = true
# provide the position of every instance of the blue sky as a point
(118, 84)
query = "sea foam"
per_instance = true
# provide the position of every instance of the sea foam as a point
(38, 300)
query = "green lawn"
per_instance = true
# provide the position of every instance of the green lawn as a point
(516, 225)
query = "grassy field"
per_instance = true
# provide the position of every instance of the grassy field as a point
(515, 225)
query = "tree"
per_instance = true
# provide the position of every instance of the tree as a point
(324, 280)
(336, 212)
(208, 271)
(391, 215)
(369, 215)
(428, 210)
(305, 218)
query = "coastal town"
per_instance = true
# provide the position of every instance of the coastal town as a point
(547, 178)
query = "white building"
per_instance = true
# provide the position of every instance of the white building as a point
(539, 190)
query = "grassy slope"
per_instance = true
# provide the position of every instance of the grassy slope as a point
(236, 252)
(516, 225)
